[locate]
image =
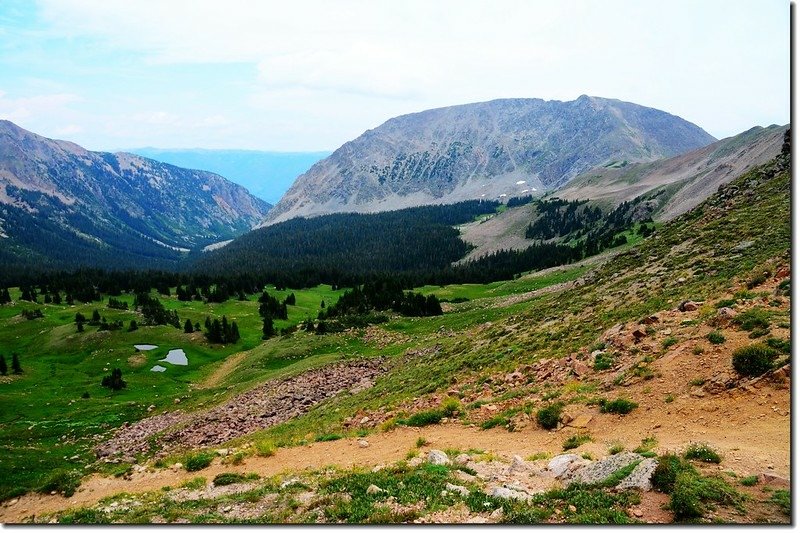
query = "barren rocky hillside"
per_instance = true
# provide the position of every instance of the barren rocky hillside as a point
(486, 150)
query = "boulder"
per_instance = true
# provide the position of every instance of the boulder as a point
(688, 305)
(599, 471)
(374, 489)
(457, 488)
(508, 494)
(640, 477)
(560, 464)
(462, 459)
(438, 457)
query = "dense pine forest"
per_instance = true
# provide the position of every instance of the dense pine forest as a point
(412, 247)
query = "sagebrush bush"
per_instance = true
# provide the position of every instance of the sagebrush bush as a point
(548, 416)
(754, 360)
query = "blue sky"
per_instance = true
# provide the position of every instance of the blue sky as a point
(297, 76)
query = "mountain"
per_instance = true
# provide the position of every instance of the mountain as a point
(267, 175)
(62, 206)
(670, 186)
(484, 150)
(682, 181)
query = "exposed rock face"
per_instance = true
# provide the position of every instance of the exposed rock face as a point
(262, 407)
(55, 195)
(485, 150)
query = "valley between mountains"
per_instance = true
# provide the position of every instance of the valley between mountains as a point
(645, 378)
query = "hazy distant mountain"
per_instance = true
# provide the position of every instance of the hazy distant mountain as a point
(265, 174)
(484, 150)
(64, 206)
(685, 180)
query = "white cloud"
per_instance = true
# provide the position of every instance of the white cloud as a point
(321, 71)
(34, 107)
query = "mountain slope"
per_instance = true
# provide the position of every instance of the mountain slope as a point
(687, 179)
(67, 206)
(671, 186)
(267, 175)
(484, 150)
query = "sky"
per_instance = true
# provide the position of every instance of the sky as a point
(311, 75)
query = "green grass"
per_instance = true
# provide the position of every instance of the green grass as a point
(575, 441)
(703, 453)
(620, 406)
(197, 461)
(749, 481)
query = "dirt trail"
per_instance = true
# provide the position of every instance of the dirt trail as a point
(752, 440)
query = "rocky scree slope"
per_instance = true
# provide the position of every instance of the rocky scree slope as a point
(681, 182)
(484, 150)
(70, 206)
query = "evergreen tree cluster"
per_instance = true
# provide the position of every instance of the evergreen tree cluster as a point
(113, 303)
(560, 217)
(16, 368)
(5, 297)
(114, 381)
(32, 314)
(382, 295)
(222, 332)
(153, 312)
(269, 305)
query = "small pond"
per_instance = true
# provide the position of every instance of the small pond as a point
(144, 347)
(176, 357)
(158, 368)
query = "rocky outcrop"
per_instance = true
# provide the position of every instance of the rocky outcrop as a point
(260, 408)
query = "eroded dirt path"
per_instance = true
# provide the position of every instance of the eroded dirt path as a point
(750, 433)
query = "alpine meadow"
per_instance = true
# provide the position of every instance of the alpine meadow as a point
(481, 296)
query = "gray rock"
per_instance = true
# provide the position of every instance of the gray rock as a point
(463, 459)
(508, 494)
(599, 471)
(438, 457)
(457, 488)
(560, 464)
(640, 477)
(518, 464)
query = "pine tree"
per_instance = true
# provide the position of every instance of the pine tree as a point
(95, 318)
(188, 328)
(134, 326)
(15, 366)
(3, 366)
(269, 328)
(197, 326)
(234, 333)
(208, 324)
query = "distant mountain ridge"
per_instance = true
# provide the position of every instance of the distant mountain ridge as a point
(484, 150)
(686, 179)
(64, 206)
(267, 175)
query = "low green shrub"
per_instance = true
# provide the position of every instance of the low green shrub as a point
(755, 318)
(620, 406)
(715, 337)
(702, 452)
(228, 478)
(197, 461)
(665, 474)
(62, 481)
(754, 360)
(781, 345)
(603, 361)
(549, 416)
(265, 448)
(749, 481)
(574, 441)
(423, 418)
